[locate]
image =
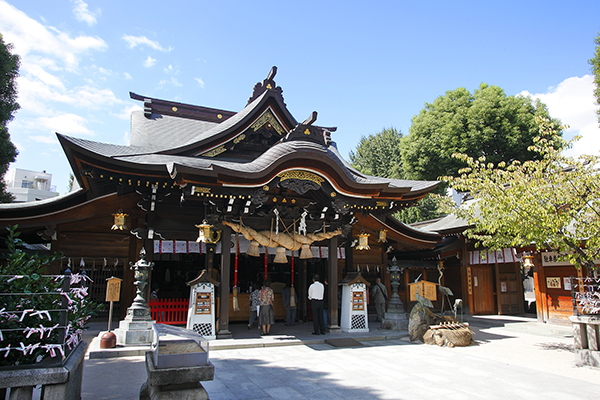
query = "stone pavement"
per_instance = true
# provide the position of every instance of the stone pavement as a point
(513, 358)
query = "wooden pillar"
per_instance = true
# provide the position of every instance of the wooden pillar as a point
(467, 278)
(497, 289)
(349, 265)
(224, 332)
(209, 260)
(332, 273)
(539, 281)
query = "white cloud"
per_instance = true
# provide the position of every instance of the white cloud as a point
(134, 41)
(44, 139)
(200, 82)
(149, 62)
(127, 75)
(82, 14)
(30, 36)
(126, 112)
(65, 123)
(173, 82)
(573, 102)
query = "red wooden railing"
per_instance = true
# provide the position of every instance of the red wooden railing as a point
(169, 311)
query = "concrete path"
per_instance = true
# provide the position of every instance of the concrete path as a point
(512, 359)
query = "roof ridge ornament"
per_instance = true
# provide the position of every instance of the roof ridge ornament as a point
(308, 132)
(267, 84)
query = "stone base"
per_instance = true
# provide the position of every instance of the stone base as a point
(62, 382)
(333, 329)
(395, 322)
(587, 357)
(181, 383)
(134, 333)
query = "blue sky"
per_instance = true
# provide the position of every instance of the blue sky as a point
(362, 66)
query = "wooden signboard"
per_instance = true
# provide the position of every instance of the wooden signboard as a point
(113, 289)
(358, 301)
(202, 305)
(426, 289)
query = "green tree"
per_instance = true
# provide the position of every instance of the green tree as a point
(379, 154)
(9, 70)
(552, 201)
(595, 63)
(486, 123)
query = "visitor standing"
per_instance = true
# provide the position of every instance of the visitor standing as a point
(254, 302)
(315, 295)
(266, 317)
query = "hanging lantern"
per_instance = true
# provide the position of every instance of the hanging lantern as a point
(382, 237)
(119, 220)
(305, 253)
(253, 249)
(363, 241)
(280, 257)
(527, 261)
(206, 235)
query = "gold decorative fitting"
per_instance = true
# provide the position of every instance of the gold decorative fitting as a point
(174, 109)
(268, 118)
(333, 194)
(274, 199)
(284, 201)
(307, 132)
(301, 175)
(266, 188)
(215, 152)
(293, 201)
(119, 221)
(363, 241)
(269, 86)
(206, 234)
(219, 116)
(382, 238)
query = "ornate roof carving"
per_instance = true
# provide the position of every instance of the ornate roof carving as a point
(267, 84)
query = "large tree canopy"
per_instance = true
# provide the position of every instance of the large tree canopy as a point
(486, 123)
(552, 202)
(9, 70)
(379, 154)
(595, 63)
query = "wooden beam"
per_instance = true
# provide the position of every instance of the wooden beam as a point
(224, 332)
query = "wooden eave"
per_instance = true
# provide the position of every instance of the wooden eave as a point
(166, 107)
(405, 236)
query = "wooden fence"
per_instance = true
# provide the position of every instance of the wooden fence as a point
(169, 311)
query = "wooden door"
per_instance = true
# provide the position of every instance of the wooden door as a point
(483, 290)
(510, 297)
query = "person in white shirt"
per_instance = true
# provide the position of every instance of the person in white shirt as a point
(315, 295)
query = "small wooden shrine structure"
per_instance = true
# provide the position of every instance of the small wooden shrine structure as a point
(243, 195)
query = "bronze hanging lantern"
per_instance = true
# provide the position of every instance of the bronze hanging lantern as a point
(206, 234)
(527, 261)
(363, 241)
(119, 221)
(382, 236)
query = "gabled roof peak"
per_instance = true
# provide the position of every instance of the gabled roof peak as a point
(267, 84)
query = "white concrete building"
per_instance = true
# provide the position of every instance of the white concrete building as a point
(28, 185)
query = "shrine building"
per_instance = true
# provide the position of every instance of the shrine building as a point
(244, 195)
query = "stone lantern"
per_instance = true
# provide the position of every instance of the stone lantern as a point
(395, 316)
(136, 328)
